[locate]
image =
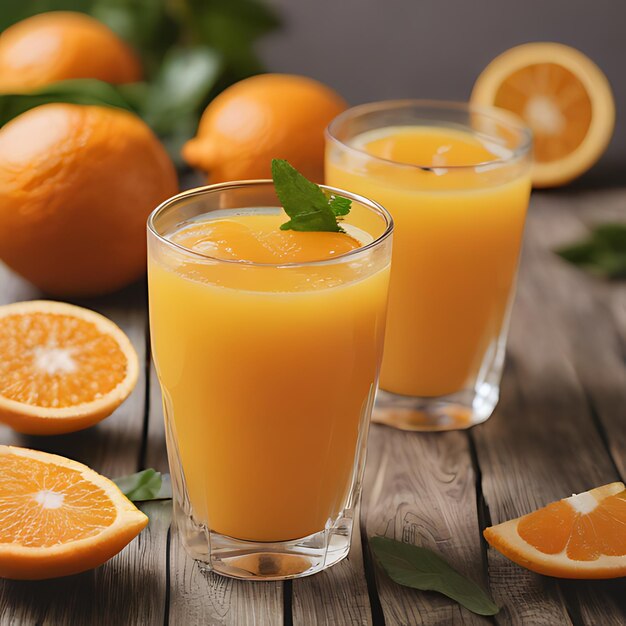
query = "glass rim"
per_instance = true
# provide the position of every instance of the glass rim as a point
(497, 114)
(208, 189)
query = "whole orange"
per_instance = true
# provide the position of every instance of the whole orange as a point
(260, 118)
(76, 186)
(61, 45)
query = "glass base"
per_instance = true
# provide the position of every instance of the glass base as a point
(251, 560)
(455, 411)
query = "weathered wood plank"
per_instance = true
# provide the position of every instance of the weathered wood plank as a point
(567, 351)
(542, 443)
(592, 310)
(337, 596)
(198, 597)
(596, 602)
(130, 588)
(584, 306)
(111, 447)
(508, 450)
(420, 488)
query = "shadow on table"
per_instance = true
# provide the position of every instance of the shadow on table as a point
(582, 595)
(98, 447)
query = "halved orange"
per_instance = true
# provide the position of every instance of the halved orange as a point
(583, 536)
(563, 96)
(62, 367)
(58, 517)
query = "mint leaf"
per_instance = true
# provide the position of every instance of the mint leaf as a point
(423, 569)
(602, 253)
(146, 485)
(340, 205)
(304, 202)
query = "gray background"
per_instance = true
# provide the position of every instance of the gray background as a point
(378, 49)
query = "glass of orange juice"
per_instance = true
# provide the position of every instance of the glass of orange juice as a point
(267, 345)
(456, 180)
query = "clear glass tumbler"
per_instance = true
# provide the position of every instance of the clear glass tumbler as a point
(268, 375)
(456, 180)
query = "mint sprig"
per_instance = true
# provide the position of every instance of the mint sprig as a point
(305, 203)
(423, 569)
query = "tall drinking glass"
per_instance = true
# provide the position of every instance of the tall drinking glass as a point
(268, 374)
(456, 180)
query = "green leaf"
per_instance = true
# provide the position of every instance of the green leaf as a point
(423, 569)
(611, 235)
(134, 94)
(340, 205)
(149, 26)
(173, 102)
(190, 49)
(231, 27)
(602, 253)
(303, 201)
(77, 91)
(180, 88)
(146, 485)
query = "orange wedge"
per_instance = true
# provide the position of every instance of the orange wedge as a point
(565, 99)
(62, 367)
(583, 536)
(58, 517)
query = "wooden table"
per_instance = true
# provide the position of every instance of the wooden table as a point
(559, 429)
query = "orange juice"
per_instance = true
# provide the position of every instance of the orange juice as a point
(268, 362)
(456, 247)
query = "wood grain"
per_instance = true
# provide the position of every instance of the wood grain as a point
(592, 310)
(510, 458)
(112, 446)
(135, 578)
(337, 596)
(420, 488)
(558, 429)
(542, 443)
(594, 324)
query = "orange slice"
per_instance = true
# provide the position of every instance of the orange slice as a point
(565, 99)
(583, 536)
(58, 517)
(62, 367)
